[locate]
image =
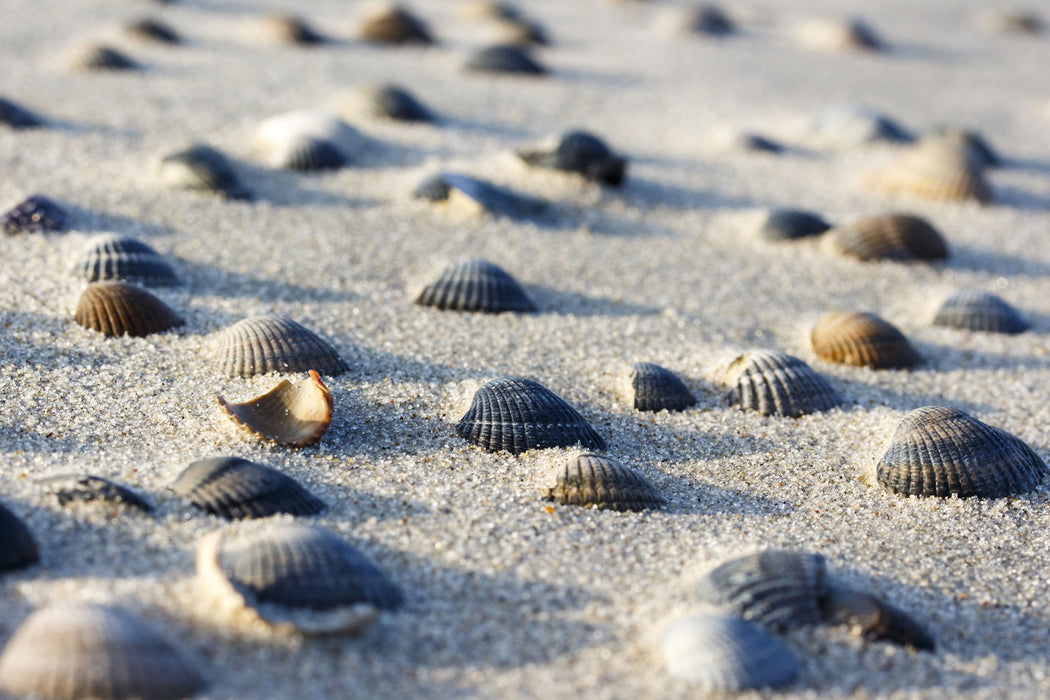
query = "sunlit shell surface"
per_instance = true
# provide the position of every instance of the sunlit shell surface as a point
(69, 651)
(777, 384)
(17, 546)
(973, 310)
(112, 256)
(514, 415)
(294, 415)
(864, 340)
(272, 343)
(852, 125)
(583, 153)
(235, 488)
(307, 140)
(937, 170)
(152, 30)
(791, 224)
(17, 117)
(201, 167)
(940, 451)
(476, 285)
(599, 482)
(395, 25)
(119, 308)
(506, 59)
(889, 237)
(480, 196)
(84, 488)
(288, 30)
(838, 35)
(975, 145)
(35, 214)
(387, 101)
(96, 57)
(655, 388)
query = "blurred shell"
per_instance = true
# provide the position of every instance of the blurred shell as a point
(937, 170)
(889, 237)
(488, 9)
(119, 308)
(75, 488)
(294, 415)
(862, 339)
(873, 618)
(521, 31)
(34, 214)
(387, 101)
(479, 196)
(476, 285)
(973, 310)
(708, 20)
(718, 653)
(775, 383)
(307, 140)
(745, 141)
(395, 25)
(235, 488)
(69, 651)
(287, 30)
(940, 451)
(152, 30)
(17, 117)
(515, 415)
(791, 224)
(96, 57)
(655, 388)
(583, 153)
(838, 35)
(17, 546)
(591, 480)
(272, 343)
(504, 58)
(1012, 21)
(853, 125)
(201, 167)
(977, 148)
(111, 256)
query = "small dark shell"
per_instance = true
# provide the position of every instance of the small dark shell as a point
(388, 101)
(289, 30)
(35, 214)
(709, 20)
(1013, 21)
(488, 197)
(17, 546)
(395, 25)
(582, 153)
(792, 224)
(515, 415)
(658, 389)
(777, 384)
(152, 30)
(757, 142)
(889, 237)
(980, 152)
(272, 343)
(874, 618)
(17, 117)
(201, 167)
(972, 310)
(476, 285)
(95, 57)
(940, 451)
(308, 153)
(235, 488)
(119, 308)
(116, 257)
(864, 340)
(504, 58)
(519, 30)
(592, 480)
(74, 488)
(853, 125)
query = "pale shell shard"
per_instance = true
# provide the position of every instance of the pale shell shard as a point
(152, 30)
(86, 488)
(17, 117)
(656, 388)
(900, 237)
(35, 214)
(599, 482)
(792, 224)
(863, 340)
(483, 196)
(476, 285)
(307, 140)
(69, 651)
(775, 383)
(17, 547)
(201, 167)
(583, 153)
(288, 30)
(514, 415)
(116, 257)
(937, 170)
(395, 25)
(97, 57)
(272, 343)
(940, 451)
(506, 59)
(294, 415)
(119, 308)
(388, 101)
(973, 310)
(235, 488)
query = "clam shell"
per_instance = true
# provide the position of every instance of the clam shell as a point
(115, 257)
(388, 101)
(514, 415)
(655, 388)
(727, 654)
(35, 214)
(17, 546)
(69, 651)
(864, 340)
(476, 285)
(235, 488)
(791, 224)
(940, 451)
(119, 308)
(272, 343)
(307, 140)
(777, 384)
(933, 170)
(395, 25)
(288, 30)
(973, 310)
(295, 415)
(506, 59)
(583, 153)
(201, 167)
(851, 125)
(75, 488)
(17, 117)
(838, 35)
(889, 237)
(522, 32)
(96, 57)
(592, 480)
(980, 153)
(874, 619)
(480, 196)
(152, 30)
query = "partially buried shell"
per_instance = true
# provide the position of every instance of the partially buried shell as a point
(708, 20)
(583, 153)
(469, 194)
(69, 651)
(97, 57)
(288, 30)
(777, 384)
(201, 167)
(35, 214)
(86, 488)
(112, 256)
(476, 285)
(894, 236)
(17, 117)
(506, 59)
(976, 146)
(938, 170)
(394, 24)
(152, 30)
(655, 388)
(791, 224)
(592, 480)
(307, 140)
(838, 35)
(235, 488)
(864, 340)
(388, 101)
(941, 451)
(17, 546)
(295, 415)
(272, 343)
(973, 310)
(119, 308)
(514, 415)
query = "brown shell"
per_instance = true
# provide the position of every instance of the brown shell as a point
(118, 308)
(593, 480)
(864, 340)
(889, 237)
(939, 170)
(295, 415)
(395, 25)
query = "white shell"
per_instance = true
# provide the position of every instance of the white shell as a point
(280, 139)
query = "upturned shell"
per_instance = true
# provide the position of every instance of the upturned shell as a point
(96, 57)
(272, 343)
(777, 384)
(933, 170)
(889, 237)
(294, 415)
(655, 388)
(476, 285)
(17, 546)
(514, 415)
(119, 308)
(940, 451)
(583, 153)
(112, 256)
(235, 488)
(592, 480)
(505, 59)
(395, 25)
(479, 196)
(864, 340)
(201, 167)
(17, 117)
(77, 488)
(387, 101)
(288, 30)
(726, 654)
(973, 310)
(307, 140)
(35, 214)
(791, 224)
(152, 30)
(70, 651)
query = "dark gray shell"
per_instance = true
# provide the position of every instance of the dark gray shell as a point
(118, 308)
(583, 153)
(940, 451)
(389, 101)
(777, 384)
(75, 488)
(889, 237)
(856, 125)
(116, 257)
(308, 153)
(514, 415)
(395, 25)
(863, 340)
(476, 285)
(17, 117)
(658, 389)
(152, 30)
(35, 214)
(495, 200)
(235, 488)
(757, 143)
(201, 167)
(96, 57)
(792, 224)
(272, 343)
(709, 20)
(592, 480)
(972, 310)
(17, 546)
(505, 59)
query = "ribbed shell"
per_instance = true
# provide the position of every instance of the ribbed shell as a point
(889, 237)
(288, 30)
(388, 101)
(658, 389)
(791, 224)
(119, 308)
(977, 148)
(728, 654)
(95, 57)
(514, 415)
(969, 309)
(592, 480)
(73, 488)
(17, 546)
(17, 117)
(504, 58)
(777, 384)
(308, 153)
(495, 200)
(272, 343)
(476, 285)
(201, 167)
(583, 153)
(934, 170)
(940, 451)
(294, 415)
(235, 488)
(152, 30)
(395, 25)
(70, 651)
(307, 140)
(116, 257)
(864, 340)
(34, 214)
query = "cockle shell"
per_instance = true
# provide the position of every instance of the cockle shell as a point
(864, 340)
(514, 415)
(777, 384)
(599, 482)
(112, 256)
(119, 308)
(69, 651)
(583, 153)
(476, 285)
(654, 388)
(889, 237)
(17, 546)
(17, 117)
(940, 451)
(235, 488)
(387, 101)
(294, 415)
(307, 140)
(838, 35)
(287, 30)
(506, 59)
(791, 224)
(152, 30)
(35, 214)
(395, 25)
(471, 194)
(855, 125)
(97, 57)
(85, 488)
(933, 170)
(973, 310)
(272, 343)
(201, 167)
(707, 20)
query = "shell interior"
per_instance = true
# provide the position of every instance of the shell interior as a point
(294, 415)
(658, 389)
(792, 224)
(506, 59)
(272, 343)
(599, 482)
(235, 488)
(17, 546)
(86, 488)
(119, 308)
(973, 310)
(774, 383)
(476, 285)
(35, 214)
(117, 257)
(863, 340)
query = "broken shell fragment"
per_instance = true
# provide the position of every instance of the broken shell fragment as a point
(900, 237)
(307, 140)
(506, 59)
(235, 488)
(791, 224)
(599, 482)
(17, 546)
(583, 153)
(272, 343)
(774, 383)
(294, 415)
(119, 308)
(938, 170)
(654, 388)
(17, 117)
(201, 167)
(152, 30)
(469, 194)
(387, 101)
(476, 285)
(395, 25)
(863, 340)
(85, 488)
(97, 57)
(35, 214)
(112, 256)
(973, 310)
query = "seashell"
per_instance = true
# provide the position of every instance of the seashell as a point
(940, 451)
(17, 546)
(68, 651)
(838, 35)
(852, 125)
(708, 20)
(777, 384)
(473, 195)
(522, 32)
(387, 101)
(981, 154)
(755, 142)
(864, 340)
(97, 57)
(476, 285)
(35, 214)
(791, 224)
(293, 577)
(395, 25)
(152, 30)
(514, 415)
(235, 488)
(506, 59)
(726, 654)
(889, 237)
(972, 310)
(657, 389)
(936, 170)
(874, 619)
(294, 415)
(307, 140)
(119, 308)
(287, 30)
(112, 256)
(1012, 21)
(591, 480)
(583, 153)
(17, 117)
(488, 9)
(272, 343)
(75, 488)
(201, 167)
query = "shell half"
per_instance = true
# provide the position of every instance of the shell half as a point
(476, 285)
(152, 30)
(235, 488)
(35, 214)
(307, 140)
(889, 237)
(863, 340)
(294, 415)
(774, 383)
(96, 57)
(506, 59)
(936, 170)
(119, 308)
(115, 257)
(973, 310)
(583, 153)
(203, 168)
(388, 101)
(395, 25)
(17, 117)
(17, 546)
(791, 224)
(480, 196)
(599, 482)
(272, 343)
(655, 388)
